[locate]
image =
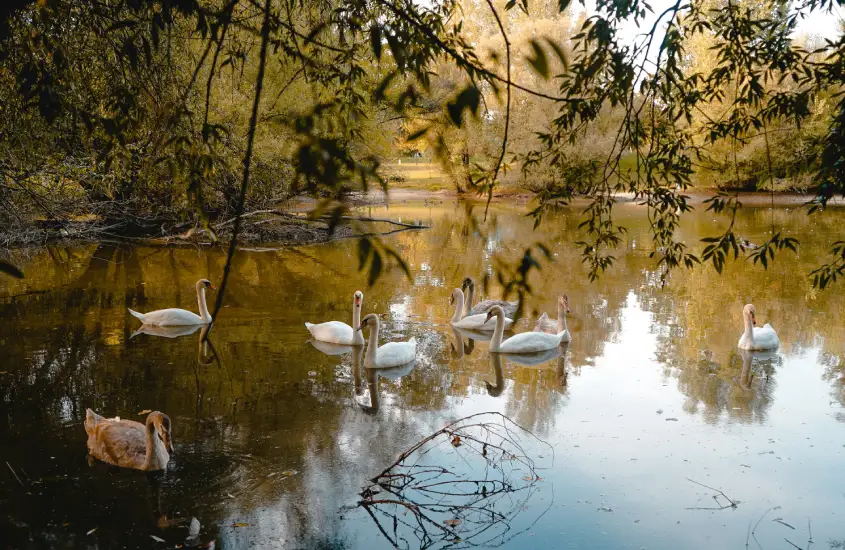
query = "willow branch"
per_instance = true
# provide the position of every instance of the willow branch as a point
(253, 121)
(507, 108)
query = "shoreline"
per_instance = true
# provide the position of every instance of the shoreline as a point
(410, 194)
(286, 230)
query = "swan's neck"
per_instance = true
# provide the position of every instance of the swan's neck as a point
(500, 330)
(372, 346)
(469, 299)
(156, 457)
(561, 318)
(459, 306)
(358, 335)
(748, 335)
(201, 302)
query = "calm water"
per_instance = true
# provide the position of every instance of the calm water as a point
(275, 439)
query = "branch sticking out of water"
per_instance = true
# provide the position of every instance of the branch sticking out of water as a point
(721, 505)
(15, 474)
(490, 477)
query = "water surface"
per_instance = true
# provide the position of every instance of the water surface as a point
(275, 439)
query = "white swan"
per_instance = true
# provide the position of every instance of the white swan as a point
(544, 324)
(479, 321)
(174, 316)
(484, 306)
(755, 338)
(391, 354)
(337, 332)
(526, 342)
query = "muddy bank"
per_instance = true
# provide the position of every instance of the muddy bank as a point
(265, 230)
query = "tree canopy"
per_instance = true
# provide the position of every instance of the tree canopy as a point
(138, 110)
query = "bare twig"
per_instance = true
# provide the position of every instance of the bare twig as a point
(733, 504)
(778, 520)
(253, 122)
(450, 505)
(507, 108)
(753, 531)
(14, 474)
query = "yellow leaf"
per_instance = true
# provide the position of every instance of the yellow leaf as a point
(240, 524)
(145, 411)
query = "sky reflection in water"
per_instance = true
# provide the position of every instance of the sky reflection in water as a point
(272, 432)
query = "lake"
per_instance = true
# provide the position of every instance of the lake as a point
(652, 429)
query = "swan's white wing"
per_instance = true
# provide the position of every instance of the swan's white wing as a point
(529, 342)
(172, 317)
(765, 338)
(545, 324)
(484, 306)
(394, 354)
(333, 332)
(480, 322)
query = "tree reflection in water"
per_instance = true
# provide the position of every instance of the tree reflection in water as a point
(464, 485)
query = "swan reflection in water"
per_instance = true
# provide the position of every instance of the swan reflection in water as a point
(183, 330)
(746, 376)
(328, 348)
(528, 360)
(392, 373)
(169, 331)
(497, 389)
(469, 337)
(461, 346)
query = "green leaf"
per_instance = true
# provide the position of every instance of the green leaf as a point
(364, 247)
(418, 134)
(9, 269)
(121, 25)
(469, 98)
(539, 61)
(398, 51)
(400, 262)
(561, 55)
(375, 40)
(375, 268)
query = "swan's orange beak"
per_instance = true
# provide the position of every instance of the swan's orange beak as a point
(212, 287)
(753, 319)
